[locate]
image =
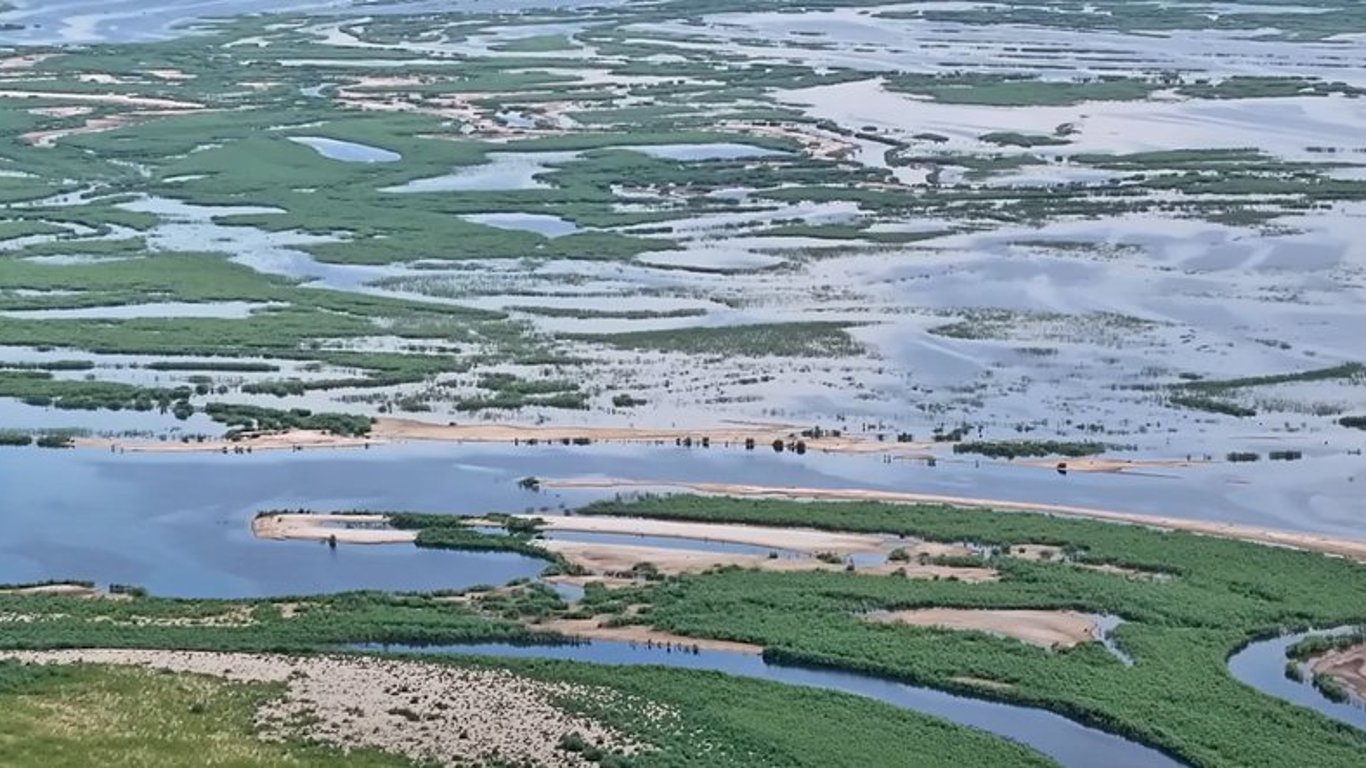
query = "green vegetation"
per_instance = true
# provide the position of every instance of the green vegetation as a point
(1347, 371)
(248, 418)
(72, 717)
(1013, 139)
(1220, 595)
(1014, 449)
(780, 340)
(452, 532)
(1211, 405)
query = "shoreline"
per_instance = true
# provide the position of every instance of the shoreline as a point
(310, 527)
(1349, 548)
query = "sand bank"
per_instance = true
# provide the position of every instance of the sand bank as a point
(298, 439)
(1348, 665)
(1046, 629)
(429, 713)
(1114, 466)
(1354, 549)
(347, 529)
(614, 560)
(809, 540)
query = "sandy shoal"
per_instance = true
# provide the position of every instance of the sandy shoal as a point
(1047, 629)
(808, 540)
(592, 629)
(324, 527)
(1354, 549)
(1101, 464)
(613, 559)
(1347, 665)
(299, 439)
(429, 713)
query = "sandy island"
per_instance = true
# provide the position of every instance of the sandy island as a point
(809, 540)
(1348, 665)
(428, 713)
(1354, 549)
(617, 561)
(1108, 465)
(347, 529)
(298, 439)
(1046, 629)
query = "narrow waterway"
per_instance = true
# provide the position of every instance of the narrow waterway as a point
(1069, 743)
(1262, 666)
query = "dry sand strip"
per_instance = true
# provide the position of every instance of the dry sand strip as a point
(611, 559)
(808, 540)
(430, 713)
(1348, 665)
(1046, 629)
(1114, 466)
(1353, 549)
(343, 528)
(297, 439)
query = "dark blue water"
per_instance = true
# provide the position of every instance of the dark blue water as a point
(1262, 666)
(1067, 742)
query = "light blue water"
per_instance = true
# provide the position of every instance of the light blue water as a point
(347, 151)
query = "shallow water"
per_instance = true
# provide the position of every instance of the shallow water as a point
(1067, 742)
(1262, 666)
(347, 151)
(539, 223)
(503, 171)
(713, 151)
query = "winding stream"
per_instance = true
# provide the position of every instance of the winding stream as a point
(1261, 665)
(1069, 743)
